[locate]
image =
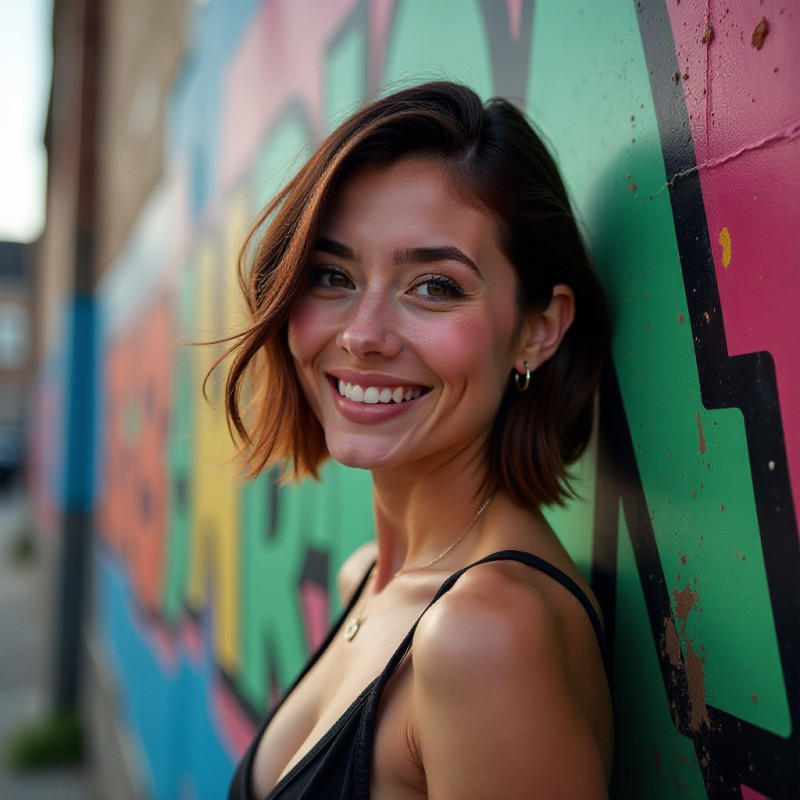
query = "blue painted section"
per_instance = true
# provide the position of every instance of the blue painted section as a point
(77, 480)
(194, 114)
(98, 425)
(166, 706)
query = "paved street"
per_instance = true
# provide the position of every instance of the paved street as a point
(23, 660)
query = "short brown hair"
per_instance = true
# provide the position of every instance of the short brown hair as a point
(494, 159)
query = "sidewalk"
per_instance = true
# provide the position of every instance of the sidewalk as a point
(24, 649)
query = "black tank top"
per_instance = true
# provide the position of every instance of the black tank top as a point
(338, 766)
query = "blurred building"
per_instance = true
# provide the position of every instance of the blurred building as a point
(184, 600)
(113, 64)
(15, 357)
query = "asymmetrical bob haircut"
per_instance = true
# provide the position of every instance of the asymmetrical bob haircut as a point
(495, 161)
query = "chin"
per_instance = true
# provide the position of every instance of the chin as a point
(355, 458)
(360, 456)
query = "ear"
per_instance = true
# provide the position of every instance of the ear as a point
(542, 332)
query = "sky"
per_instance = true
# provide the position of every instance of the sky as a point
(25, 64)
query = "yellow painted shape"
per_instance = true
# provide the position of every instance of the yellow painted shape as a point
(215, 572)
(725, 241)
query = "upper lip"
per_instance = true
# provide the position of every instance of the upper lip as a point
(372, 378)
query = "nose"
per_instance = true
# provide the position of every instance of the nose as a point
(369, 329)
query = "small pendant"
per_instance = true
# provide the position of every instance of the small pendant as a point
(352, 629)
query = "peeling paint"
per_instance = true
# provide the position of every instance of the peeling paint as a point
(725, 241)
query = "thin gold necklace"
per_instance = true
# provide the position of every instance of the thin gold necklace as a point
(356, 621)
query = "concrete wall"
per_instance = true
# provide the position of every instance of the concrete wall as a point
(676, 126)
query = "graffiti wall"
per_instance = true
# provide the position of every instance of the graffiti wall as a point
(677, 127)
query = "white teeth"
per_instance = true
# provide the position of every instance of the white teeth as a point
(376, 394)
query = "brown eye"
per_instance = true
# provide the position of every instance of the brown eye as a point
(438, 288)
(435, 289)
(329, 278)
(337, 280)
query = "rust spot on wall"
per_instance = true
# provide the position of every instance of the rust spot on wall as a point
(672, 644)
(701, 439)
(685, 601)
(656, 755)
(708, 36)
(759, 34)
(695, 677)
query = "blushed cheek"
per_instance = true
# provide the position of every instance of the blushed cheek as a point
(302, 332)
(300, 338)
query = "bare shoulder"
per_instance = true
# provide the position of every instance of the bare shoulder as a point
(492, 618)
(501, 704)
(353, 570)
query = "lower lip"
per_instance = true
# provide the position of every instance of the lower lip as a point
(369, 413)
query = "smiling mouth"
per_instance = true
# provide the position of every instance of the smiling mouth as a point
(372, 395)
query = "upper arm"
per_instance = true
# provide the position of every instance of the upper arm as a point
(495, 715)
(352, 572)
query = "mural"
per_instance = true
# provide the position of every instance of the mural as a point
(677, 126)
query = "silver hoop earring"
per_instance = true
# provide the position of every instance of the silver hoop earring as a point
(523, 386)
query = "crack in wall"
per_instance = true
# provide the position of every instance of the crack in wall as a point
(786, 135)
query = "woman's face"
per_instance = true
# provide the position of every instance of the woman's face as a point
(408, 329)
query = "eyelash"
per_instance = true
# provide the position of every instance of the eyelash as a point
(317, 275)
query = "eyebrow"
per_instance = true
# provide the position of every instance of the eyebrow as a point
(429, 255)
(405, 255)
(334, 248)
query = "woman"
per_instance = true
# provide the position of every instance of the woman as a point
(423, 307)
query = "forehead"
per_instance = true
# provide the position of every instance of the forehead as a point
(414, 197)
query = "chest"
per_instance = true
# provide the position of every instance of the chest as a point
(329, 690)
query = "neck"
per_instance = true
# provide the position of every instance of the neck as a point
(420, 513)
